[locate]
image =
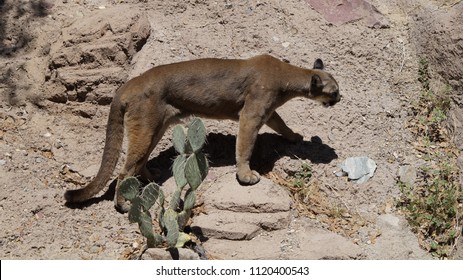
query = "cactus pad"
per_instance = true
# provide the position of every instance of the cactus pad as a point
(149, 195)
(179, 139)
(178, 169)
(196, 134)
(170, 221)
(130, 188)
(196, 169)
(135, 210)
(190, 199)
(182, 239)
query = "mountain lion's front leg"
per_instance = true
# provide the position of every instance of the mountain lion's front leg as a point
(276, 123)
(251, 120)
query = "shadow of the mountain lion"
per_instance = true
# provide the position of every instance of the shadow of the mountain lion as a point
(220, 151)
(269, 148)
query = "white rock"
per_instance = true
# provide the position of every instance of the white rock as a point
(359, 168)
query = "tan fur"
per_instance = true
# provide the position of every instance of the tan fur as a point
(245, 90)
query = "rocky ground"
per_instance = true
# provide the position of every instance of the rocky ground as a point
(62, 61)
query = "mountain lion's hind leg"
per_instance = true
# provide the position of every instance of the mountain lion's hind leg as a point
(142, 137)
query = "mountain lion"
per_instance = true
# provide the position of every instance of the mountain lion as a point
(247, 90)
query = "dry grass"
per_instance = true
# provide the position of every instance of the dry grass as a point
(433, 205)
(311, 202)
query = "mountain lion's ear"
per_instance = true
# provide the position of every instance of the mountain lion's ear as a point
(316, 81)
(318, 64)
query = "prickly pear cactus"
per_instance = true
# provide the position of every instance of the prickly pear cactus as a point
(189, 169)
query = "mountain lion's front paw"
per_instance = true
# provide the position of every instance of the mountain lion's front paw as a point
(250, 177)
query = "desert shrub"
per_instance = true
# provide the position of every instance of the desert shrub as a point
(433, 204)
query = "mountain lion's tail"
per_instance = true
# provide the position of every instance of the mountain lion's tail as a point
(112, 149)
